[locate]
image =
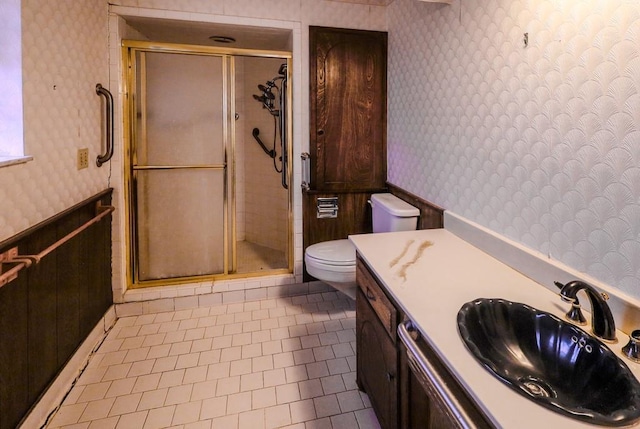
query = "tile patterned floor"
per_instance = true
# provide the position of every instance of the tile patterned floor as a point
(276, 363)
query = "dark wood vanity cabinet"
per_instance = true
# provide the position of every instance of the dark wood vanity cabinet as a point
(377, 354)
(400, 398)
(422, 406)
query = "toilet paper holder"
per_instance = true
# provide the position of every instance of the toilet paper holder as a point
(327, 207)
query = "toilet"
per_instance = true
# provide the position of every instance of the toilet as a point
(334, 262)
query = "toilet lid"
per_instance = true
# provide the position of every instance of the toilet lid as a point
(336, 252)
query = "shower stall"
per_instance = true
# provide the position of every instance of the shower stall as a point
(208, 170)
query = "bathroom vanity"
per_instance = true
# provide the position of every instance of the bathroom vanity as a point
(400, 397)
(425, 277)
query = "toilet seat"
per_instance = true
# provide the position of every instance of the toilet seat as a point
(335, 253)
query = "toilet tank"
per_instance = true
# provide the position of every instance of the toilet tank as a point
(390, 213)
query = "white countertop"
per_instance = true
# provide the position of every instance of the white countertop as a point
(432, 282)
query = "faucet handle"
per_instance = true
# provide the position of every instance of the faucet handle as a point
(632, 349)
(575, 314)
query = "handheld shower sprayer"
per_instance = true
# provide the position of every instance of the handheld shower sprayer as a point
(277, 108)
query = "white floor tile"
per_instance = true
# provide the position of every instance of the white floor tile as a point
(204, 390)
(284, 362)
(263, 398)
(187, 413)
(125, 404)
(179, 394)
(152, 399)
(238, 403)
(97, 410)
(132, 421)
(277, 416)
(213, 408)
(253, 419)
(159, 417)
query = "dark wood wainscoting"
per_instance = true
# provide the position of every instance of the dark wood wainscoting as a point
(354, 217)
(51, 307)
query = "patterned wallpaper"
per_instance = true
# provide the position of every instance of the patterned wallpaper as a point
(538, 143)
(64, 56)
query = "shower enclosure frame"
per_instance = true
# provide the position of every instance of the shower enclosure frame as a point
(130, 48)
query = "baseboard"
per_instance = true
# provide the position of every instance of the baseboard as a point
(140, 302)
(53, 397)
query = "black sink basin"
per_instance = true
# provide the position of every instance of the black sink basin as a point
(550, 361)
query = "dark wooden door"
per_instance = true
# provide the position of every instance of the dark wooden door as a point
(348, 109)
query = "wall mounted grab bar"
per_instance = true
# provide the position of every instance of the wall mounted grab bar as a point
(100, 90)
(306, 174)
(256, 135)
(24, 261)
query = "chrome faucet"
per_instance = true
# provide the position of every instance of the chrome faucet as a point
(602, 322)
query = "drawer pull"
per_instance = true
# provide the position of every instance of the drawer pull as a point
(370, 296)
(390, 376)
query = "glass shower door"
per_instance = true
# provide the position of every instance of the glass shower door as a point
(179, 165)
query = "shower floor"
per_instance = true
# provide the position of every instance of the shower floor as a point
(253, 258)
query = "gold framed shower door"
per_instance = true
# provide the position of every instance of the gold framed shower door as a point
(146, 168)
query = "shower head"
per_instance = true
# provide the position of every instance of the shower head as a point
(283, 69)
(266, 92)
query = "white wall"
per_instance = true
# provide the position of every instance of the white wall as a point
(540, 144)
(65, 54)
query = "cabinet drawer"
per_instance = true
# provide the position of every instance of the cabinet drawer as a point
(383, 307)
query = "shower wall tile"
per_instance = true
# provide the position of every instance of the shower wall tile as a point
(65, 54)
(266, 208)
(538, 143)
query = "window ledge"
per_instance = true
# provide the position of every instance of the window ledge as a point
(6, 161)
